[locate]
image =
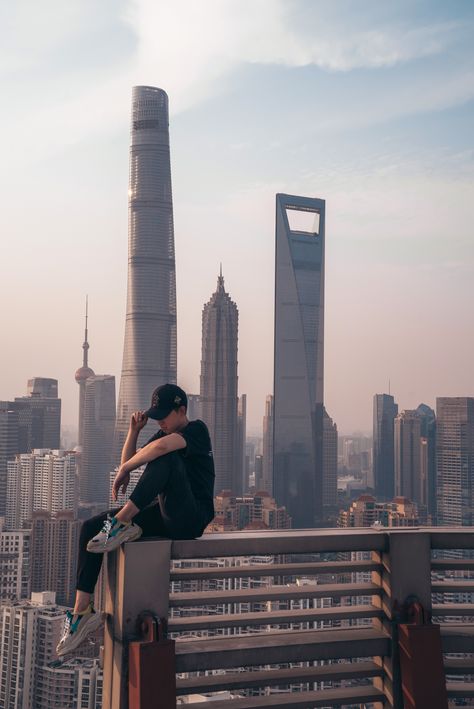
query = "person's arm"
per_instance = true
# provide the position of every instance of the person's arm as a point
(137, 422)
(162, 446)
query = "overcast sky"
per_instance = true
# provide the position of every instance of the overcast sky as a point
(366, 104)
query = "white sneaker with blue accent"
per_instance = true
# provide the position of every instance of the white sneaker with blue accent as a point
(77, 627)
(112, 535)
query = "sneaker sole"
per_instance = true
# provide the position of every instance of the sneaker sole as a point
(81, 635)
(132, 533)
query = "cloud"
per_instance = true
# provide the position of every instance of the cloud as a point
(193, 46)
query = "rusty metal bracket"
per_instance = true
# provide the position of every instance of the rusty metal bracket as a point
(152, 673)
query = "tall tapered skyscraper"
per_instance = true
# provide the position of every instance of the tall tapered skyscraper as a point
(149, 354)
(220, 319)
(299, 350)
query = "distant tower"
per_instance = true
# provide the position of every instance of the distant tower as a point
(385, 410)
(219, 384)
(455, 460)
(267, 464)
(98, 439)
(299, 353)
(82, 374)
(407, 456)
(329, 461)
(149, 352)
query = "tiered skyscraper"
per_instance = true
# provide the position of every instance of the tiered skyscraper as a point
(385, 410)
(149, 353)
(220, 319)
(299, 351)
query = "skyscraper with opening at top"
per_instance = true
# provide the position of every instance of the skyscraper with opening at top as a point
(299, 350)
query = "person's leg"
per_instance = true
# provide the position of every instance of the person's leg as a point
(88, 565)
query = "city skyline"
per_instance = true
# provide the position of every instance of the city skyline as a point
(390, 140)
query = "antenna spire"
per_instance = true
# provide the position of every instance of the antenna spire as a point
(220, 280)
(85, 345)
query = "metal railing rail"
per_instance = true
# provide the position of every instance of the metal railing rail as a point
(327, 601)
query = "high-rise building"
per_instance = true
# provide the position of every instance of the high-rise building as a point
(257, 511)
(194, 407)
(98, 438)
(428, 459)
(40, 480)
(81, 376)
(366, 511)
(149, 354)
(14, 564)
(9, 445)
(267, 462)
(220, 318)
(385, 410)
(299, 350)
(407, 455)
(53, 547)
(242, 481)
(41, 413)
(31, 676)
(455, 460)
(329, 461)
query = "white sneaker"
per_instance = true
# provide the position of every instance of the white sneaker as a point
(77, 628)
(112, 535)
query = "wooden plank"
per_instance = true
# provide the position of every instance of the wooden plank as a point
(281, 541)
(268, 678)
(457, 637)
(235, 620)
(275, 647)
(460, 689)
(461, 609)
(274, 593)
(453, 586)
(452, 564)
(304, 569)
(459, 665)
(303, 700)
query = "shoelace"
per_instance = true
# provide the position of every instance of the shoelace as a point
(67, 625)
(107, 526)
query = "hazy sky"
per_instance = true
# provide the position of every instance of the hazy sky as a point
(366, 104)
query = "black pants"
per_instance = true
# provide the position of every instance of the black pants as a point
(176, 515)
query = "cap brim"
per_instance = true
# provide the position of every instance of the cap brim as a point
(157, 414)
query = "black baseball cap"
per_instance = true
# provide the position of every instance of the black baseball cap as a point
(164, 400)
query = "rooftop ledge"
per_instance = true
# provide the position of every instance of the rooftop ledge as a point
(324, 599)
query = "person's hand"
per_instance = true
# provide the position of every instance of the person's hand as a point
(138, 421)
(121, 481)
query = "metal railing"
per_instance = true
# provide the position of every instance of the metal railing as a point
(299, 618)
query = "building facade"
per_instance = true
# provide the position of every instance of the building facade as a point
(267, 452)
(385, 410)
(366, 511)
(258, 511)
(15, 564)
(149, 354)
(329, 462)
(41, 480)
(98, 438)
(455, 460)
(407, 456)
(219, 382)
(299, 350)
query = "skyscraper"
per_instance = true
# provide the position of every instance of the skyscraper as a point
(149, 354)
(242, 482)
(428, 458)
(40, 480)
(385, 410)
(329, 461)
(407, 455)
(299, 350)
(98, 438)
(220, 318)
(455, 460)
(267, 463)
(41, 416)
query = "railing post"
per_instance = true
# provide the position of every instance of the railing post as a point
(137, 580)
(406, 572)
